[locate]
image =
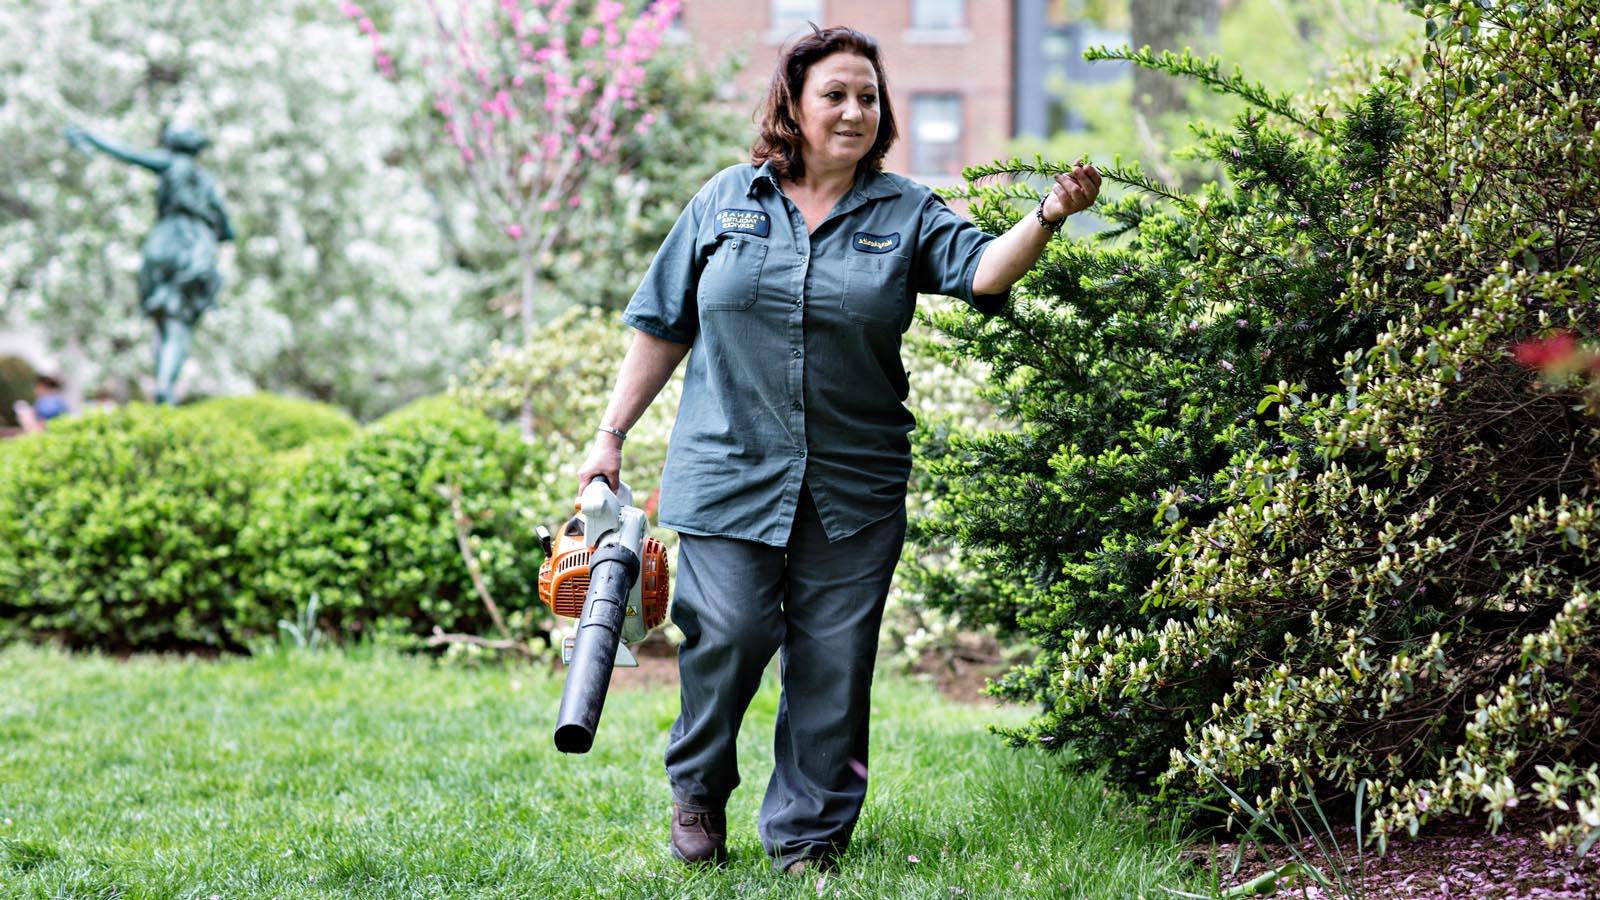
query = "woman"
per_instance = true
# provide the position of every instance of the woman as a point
(792, 279)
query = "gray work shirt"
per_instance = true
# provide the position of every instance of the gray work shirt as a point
(794, 374)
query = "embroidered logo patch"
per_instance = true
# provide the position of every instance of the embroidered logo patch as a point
(743, 221)
(875, 243)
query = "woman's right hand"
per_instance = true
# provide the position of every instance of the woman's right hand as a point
(604, 459)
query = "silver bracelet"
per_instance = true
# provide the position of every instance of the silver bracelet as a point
(621, 435)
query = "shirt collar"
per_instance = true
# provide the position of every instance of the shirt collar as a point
(871, 184)
(765, 172)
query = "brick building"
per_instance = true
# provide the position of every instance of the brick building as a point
(949, 65)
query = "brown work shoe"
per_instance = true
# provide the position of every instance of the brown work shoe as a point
(699, 836)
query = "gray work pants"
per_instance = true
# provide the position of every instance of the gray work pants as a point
(820, 603)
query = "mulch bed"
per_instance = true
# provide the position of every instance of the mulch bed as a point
(963, 670)
(1454, 858)
(959, 675)
(658, 665)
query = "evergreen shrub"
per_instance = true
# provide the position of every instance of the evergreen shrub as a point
(369, 530)
(1282, 509)
(120, 530)
(279, 423)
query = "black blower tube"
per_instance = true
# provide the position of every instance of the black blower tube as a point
(612, 572)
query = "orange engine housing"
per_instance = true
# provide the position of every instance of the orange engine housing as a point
(564, 576)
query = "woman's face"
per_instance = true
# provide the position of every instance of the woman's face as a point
(838, 112)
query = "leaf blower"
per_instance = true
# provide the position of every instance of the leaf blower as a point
(604, 570)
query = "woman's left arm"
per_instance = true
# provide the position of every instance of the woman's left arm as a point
(1012, 254)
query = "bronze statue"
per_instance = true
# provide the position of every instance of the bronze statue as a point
(178, 279)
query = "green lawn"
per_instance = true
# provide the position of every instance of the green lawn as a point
(369, 774)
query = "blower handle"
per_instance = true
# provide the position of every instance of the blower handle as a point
(613, 569)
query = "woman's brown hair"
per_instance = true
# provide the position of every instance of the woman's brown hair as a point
(780, 140)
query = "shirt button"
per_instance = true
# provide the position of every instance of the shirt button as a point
(799, 453)
(804, 260)
(796, 406)
(795, 353)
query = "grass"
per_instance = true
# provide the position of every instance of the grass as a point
(333, 774)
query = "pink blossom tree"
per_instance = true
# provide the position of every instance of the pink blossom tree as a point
(535, 96)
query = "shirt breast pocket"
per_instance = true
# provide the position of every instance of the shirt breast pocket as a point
(875, 288)
(732, 275)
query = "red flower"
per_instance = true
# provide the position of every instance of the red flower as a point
(1546, 353)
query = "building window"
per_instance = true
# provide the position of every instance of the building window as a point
(936, 134)
(792, 15)
(937, 15)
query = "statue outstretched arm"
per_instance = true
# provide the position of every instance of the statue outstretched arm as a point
(155, 160)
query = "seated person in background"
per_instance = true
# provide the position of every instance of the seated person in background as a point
(47, 404)
(47, 400)
(27, 419)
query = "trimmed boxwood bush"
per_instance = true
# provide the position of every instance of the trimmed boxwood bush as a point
(279, 423)
(368, 529)
(120, 530)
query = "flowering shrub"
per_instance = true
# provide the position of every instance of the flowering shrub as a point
(919, 628)
(1286, 509)
(564, 377)
(1564, 362)
(536, 99)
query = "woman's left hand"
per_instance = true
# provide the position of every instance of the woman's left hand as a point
(1073, 191)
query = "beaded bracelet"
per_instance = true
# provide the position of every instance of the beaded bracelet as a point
(1038, 213)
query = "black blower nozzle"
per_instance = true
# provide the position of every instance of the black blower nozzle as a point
(613, 569)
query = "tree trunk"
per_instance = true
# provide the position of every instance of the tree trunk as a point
(74, 364)
(525, 256)
(1168, 25)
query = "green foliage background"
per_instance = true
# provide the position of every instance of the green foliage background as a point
(153, 528)
(362, 274)
(566, 374)
(16, 383)
(122, 530)
(1315, 49)
(369, 529)
(278, 423)
(1280, 511)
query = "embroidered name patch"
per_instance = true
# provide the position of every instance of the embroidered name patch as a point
(875, 243)
(743, 221)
